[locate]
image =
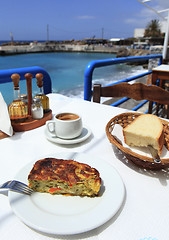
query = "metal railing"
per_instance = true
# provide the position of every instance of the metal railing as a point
(5, 76)
(107, 62)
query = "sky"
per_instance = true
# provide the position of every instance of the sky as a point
(74, 19)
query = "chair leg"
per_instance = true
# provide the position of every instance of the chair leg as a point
(96, 93)
(167, 111)
(150, 107)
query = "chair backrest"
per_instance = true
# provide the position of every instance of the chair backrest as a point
(137, 91)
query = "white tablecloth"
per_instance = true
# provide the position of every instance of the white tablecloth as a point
(144, 214)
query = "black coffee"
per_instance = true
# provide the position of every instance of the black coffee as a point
(67, 116)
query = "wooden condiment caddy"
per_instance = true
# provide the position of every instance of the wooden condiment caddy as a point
(3, 135)
(29, 123)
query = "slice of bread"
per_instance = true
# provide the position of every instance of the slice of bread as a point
(145, 130)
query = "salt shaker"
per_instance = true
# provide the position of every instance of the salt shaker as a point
(37, 108)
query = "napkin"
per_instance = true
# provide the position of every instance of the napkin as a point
(5, 123)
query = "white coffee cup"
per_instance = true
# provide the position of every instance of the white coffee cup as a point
(65, 125)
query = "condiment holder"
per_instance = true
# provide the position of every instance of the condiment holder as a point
(30, 123)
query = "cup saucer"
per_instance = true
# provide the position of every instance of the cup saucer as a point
(86, 132)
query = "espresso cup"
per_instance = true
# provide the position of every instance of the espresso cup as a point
(65, 125)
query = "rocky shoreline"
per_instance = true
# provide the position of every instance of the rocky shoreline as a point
(130, 52)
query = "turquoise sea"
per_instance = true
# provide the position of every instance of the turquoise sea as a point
(66, 71)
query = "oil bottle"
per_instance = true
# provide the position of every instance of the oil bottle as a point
(41, 95)
(18, 110)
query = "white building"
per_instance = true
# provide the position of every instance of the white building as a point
(163, 26)
(139, 32)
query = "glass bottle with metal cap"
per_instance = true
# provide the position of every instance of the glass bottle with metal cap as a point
(41, 95)
(37, 109)
(24, 98)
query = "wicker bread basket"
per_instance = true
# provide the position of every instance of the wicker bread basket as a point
(140, 160)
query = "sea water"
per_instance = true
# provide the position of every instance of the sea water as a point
(66, 71)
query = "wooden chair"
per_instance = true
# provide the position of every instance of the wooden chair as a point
(137, 91)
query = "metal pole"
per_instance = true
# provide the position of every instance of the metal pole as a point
(47, 32)
(11, 38)
(102, 33)
(166, 39)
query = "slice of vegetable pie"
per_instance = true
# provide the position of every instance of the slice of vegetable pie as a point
(58, 176)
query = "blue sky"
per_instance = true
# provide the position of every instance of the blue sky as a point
(74, 19)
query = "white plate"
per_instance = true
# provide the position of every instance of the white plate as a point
(86, 132)
(57, 214)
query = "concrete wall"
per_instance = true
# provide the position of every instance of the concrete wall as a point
(53, 47)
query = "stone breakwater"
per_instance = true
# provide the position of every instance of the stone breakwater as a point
(53, 47)
(36, 47)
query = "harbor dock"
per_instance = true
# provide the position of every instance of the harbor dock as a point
(36, 47)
